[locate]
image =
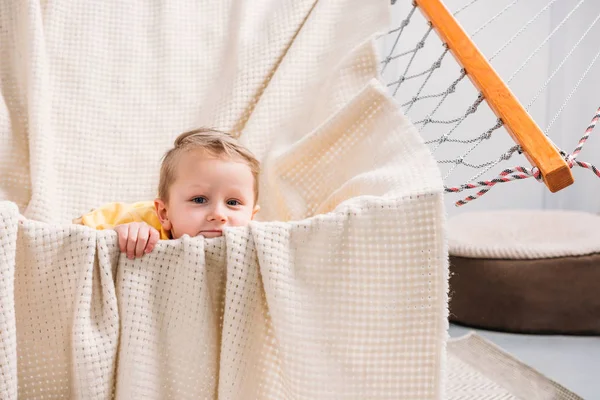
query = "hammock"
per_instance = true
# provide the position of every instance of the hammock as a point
(339, 291)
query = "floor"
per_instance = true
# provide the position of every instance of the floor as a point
(572, 361)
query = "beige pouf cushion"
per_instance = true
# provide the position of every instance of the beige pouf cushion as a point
(526, 271)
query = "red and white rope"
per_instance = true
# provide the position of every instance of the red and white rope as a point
(517, 173)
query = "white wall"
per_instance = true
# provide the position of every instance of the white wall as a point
(585, 193)
(566, 131)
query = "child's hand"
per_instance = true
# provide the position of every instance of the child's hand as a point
(136, 238)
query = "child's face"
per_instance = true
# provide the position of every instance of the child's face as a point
(209, 194)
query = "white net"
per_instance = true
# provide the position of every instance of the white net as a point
(544, 50)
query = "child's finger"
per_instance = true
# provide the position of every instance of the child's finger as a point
(142, 240)
(122, 235)
(132, 240)
(154, 236)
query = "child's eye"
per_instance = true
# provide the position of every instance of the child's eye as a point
(199, 200)
(233, 203)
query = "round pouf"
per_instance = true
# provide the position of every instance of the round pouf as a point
(526, 271)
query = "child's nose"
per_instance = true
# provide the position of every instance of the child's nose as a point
(217, 214)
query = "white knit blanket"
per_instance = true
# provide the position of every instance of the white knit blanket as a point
(344, 297)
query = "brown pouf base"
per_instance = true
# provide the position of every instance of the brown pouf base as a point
(549, 296)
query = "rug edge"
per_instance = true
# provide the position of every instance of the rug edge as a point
(518, 378)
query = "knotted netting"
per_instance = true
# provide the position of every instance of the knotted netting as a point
(545, 51)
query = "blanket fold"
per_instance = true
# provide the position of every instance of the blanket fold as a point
(311, 309)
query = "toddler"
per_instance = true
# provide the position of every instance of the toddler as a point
(208, 181)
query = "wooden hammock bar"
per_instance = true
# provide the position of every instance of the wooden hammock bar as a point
(523, 129)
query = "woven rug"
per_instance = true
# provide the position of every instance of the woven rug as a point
(478, 369)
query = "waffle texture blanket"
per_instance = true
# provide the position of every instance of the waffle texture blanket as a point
(339, 291)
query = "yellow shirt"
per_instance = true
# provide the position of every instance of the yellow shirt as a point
(110, 215)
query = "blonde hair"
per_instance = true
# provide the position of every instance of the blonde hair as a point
(213, 141)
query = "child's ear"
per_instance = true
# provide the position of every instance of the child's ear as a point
(256, 209)
(163, 216)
